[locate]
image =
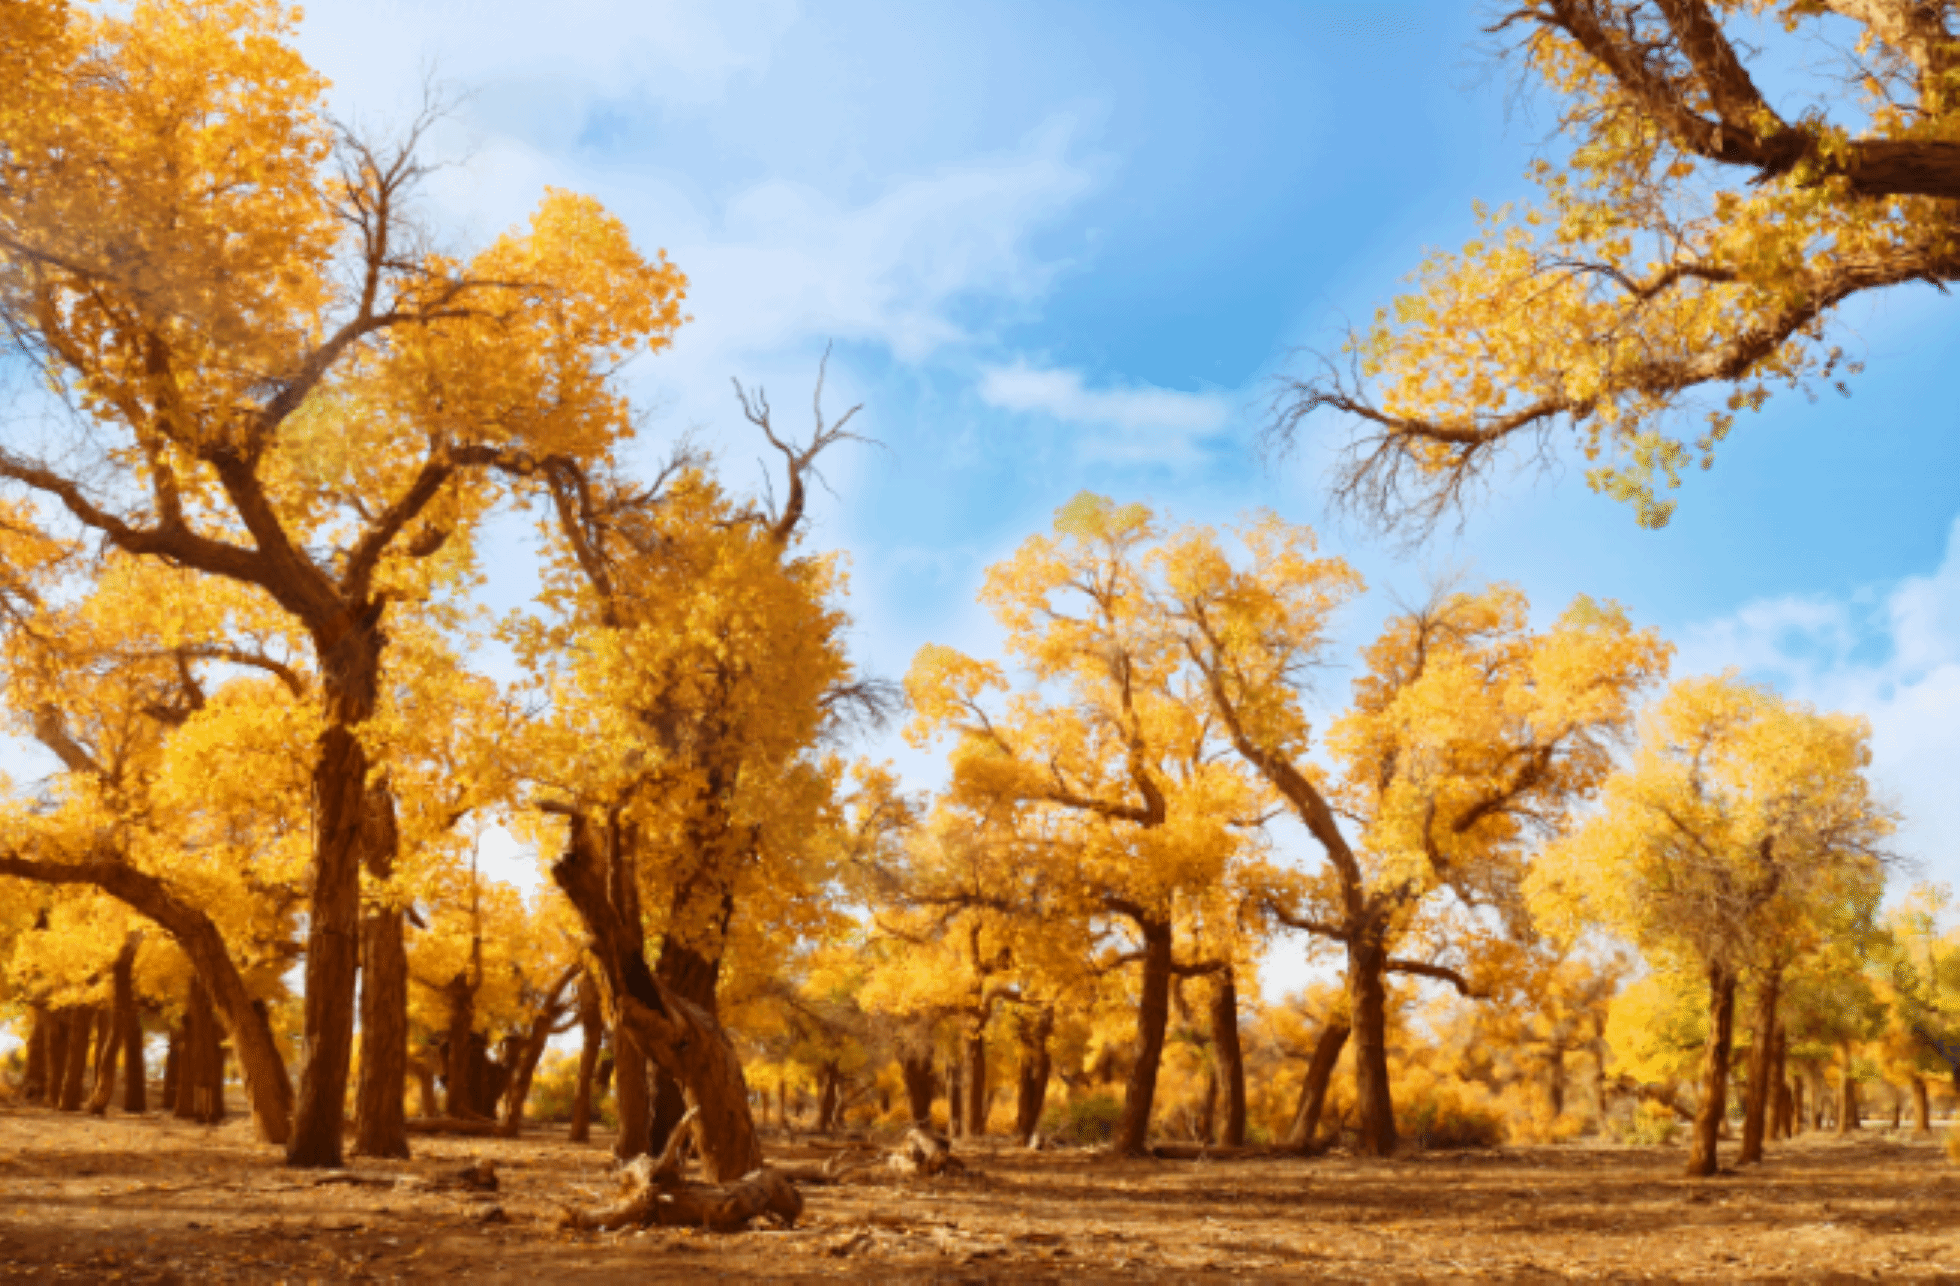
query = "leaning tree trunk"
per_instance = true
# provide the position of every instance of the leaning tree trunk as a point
(529, 1051)
(74, 1077)
(1848, 1107)
(1762, 1068)
(1153, 1016)
(259, 1061)
(1031, 1088)
(1715, 1072)
(689, 968)
(1313, 1093)
(380, 1109)
(685, 1040)
(916, 1070)
(1368, 1005)
(977, 1096)
(1230, 1061)
(34, 1087)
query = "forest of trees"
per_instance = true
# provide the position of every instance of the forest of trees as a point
(1552, 888)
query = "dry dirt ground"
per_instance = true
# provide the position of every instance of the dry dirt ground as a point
(154, 1200)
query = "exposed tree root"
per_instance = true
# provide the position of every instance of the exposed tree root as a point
(654, 1193)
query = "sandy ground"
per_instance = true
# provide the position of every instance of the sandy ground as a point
(154, 1200)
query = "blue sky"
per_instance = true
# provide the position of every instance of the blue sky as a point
(1067, 245)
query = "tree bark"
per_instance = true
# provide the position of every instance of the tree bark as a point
(135, 1074)
(592, 1032)
(1153, 1016)
(694, 974)
(955, 1096)
(74, 1076)
(1713, 1107)
(460, 995)
(1848, 1106)
(102, 1075)
(259, 1061)
(977, 1096)
(827, 1099)
(1313, 1093)
(1762, 1068)
(1229, 1059)
(380, 1094)
(122, 1009)
(530, 1050)
(1368, 1005)
(333, 937)
(1922, 1107)
(1031, 1089)
(916, 1070)
(201, 1069)
(34, 1087)
(632, 1104)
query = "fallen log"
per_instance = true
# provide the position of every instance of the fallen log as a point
(922, 1153)
(653, 1193)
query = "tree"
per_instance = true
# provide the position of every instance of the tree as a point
(288, 391)
(1741, 814)
(1470, 740)
(1690, 250)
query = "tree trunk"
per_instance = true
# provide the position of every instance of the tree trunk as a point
(259, 1061)
(1313, 1093)
(1713, 1107)
(695, 976)
(460, 996)
(380, 1109)
(1229, 1059)
(1153, 1016)
(61, 1026)
(1368, 1007)
(1031, 1089)
(34, 1088)
(116, 1024)
(686, 1040)
(425, 1083)
(136, 1091)
(1922, 1107)
(1848, 1107)
(530, 1050)
(102, 1074)
(1762, 1068)
(916, 1069)
(955, 1098)
(201, 1068)
(827, 1100)
(74, 1077)
(1555, 1079)
(333, 935)
(173, 1068)
(592, 1032)
(631, 1102)
(977, 1095)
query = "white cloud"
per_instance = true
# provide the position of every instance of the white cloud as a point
(1151, 425)
(1893, 655)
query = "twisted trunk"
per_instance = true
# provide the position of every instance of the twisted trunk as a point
(1715, 1072)
(530, 1050)
(1153, 1016)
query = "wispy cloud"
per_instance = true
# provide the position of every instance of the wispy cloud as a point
(1891, 654)
(1151, 425)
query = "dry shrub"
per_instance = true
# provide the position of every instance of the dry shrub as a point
(1649, 1124)
(1085, 1122)
(1435, 1112)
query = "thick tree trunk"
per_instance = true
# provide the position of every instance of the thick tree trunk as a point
(1762, 1068)
(1153, 1016)
(34, 1087)
(1313, 1093)
(74, 1077)
(259, 1061)
(1229, 1059)
(1848, 1107)
(201, 1069)
(827, 1100)
(1368, 1005)
(977, 1094)
(60, 1026)
(916, 1070)
(122, 1010)
(1031, 1088)
(108, 1046)
(135, 1074)
(693, 974)
(1714, 1103)
(333, 936)
(458, 1045)
(632, 1104)
(1922, 1107)
(680, 1036)
(380, 1108)
(592, 1033)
